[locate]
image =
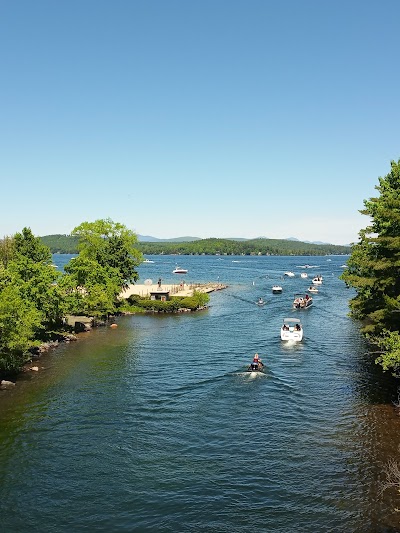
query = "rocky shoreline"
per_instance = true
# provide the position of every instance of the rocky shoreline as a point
(81, 324)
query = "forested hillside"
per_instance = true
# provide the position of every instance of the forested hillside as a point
(61, 244)
(68, 244)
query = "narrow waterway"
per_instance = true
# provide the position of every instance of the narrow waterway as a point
(157, 426)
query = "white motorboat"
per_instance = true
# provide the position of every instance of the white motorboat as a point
(148, 261)
(291, 330)
(304, 275)
(276, 289)
(179, 270)
(312, 289)
(260, 301)
(289, 274)
(302, 301)
(317, 280)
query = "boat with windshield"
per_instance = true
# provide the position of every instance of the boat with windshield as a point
(291, 330)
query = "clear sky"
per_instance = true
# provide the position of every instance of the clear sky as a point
(204, 118)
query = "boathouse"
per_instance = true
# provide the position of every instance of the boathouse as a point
(159, 295)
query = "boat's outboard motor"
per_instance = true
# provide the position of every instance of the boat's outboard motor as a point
(254, 367)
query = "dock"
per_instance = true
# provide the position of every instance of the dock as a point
(180, 289)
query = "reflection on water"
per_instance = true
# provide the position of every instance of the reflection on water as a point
(156, 425)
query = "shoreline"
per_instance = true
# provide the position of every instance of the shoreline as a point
(180, 289)
(82, 324)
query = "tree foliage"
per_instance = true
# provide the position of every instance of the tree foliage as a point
(107, 262)
(30, 301)
(34, 296)
(374, 267)
(112, 245)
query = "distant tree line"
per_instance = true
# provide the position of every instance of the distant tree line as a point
(69, 244)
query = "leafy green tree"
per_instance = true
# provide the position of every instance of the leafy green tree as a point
(112, 245)
(19, 323)
(31, 247)
(389, 343)
(374, 270)
(374, 265)
(90, 289)
(37, 279)
(107, 262)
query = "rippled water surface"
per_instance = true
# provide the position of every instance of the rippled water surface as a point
(156, 426)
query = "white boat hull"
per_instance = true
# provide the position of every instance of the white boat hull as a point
(292, 330)
(276, 289)
(295, 336)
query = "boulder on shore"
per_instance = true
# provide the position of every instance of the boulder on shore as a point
(4, 384)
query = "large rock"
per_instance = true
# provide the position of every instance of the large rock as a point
(4, 384)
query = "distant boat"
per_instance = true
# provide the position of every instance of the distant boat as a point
(289, 274)
(317, 280)
(148, 261)
(276, 289)
(179, 270)
(304, 275)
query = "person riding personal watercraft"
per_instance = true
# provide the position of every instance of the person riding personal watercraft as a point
(256, 365)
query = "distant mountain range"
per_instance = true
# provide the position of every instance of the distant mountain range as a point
(148, 238)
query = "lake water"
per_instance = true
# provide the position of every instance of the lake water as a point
(155, 426)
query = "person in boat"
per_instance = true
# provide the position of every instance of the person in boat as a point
(298, 327)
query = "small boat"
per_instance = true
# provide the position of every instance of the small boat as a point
(317, 280)
(291, 330)
(148, 261)
(304, 275)
(276, 289)
(302, 301)
(312, 289)
(179, 270)
(260, 301)
(289, 274)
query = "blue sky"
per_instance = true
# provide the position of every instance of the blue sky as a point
(222, 118)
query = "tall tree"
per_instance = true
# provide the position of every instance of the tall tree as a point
(374, 271)
(374, 265)
(107, 261)
(30, 298)
(31, 247)
(111, 244)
